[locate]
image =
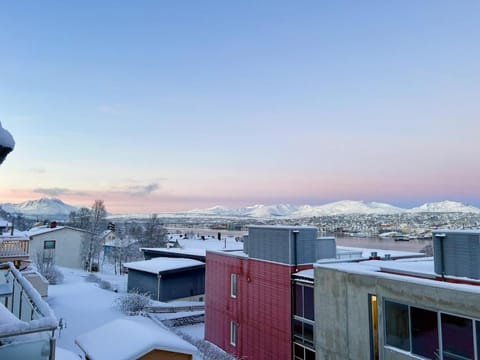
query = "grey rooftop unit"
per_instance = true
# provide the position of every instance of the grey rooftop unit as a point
(457, 253)
(291, 245)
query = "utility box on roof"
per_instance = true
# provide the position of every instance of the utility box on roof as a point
(457, 253)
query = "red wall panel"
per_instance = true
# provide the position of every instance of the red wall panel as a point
(261, 309)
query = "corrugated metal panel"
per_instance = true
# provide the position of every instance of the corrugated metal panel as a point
(461, 254)
(261, 309)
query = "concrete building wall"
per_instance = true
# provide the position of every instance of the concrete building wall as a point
(342, 328)
(341, 313)
(68, 244)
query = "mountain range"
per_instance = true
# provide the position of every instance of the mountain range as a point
(56, 208)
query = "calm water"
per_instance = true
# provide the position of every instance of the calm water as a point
(386, 244)
(376, 243)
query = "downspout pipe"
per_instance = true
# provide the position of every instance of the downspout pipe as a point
(295, 256)
(440, 238)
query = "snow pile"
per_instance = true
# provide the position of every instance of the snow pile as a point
(130, 339)
(6, 139)
(160, 264)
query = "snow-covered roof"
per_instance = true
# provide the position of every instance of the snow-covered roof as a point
(366, 252)
(4, 223)
(46, 229)
(194, 252)
(132, 338)
(162, 264)
(447, 231)
(17, 235)
(309, 274)
(418, 271)
(292, 227)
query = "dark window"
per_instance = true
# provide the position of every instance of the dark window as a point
(303, 353)
(308, 333)
(477, 325)
(303, 298)
(297, 329)
(298, 300)
(309, 354)
(308, 308)
(457, 337)
(49, 244)
(424, 332)
(397, 325)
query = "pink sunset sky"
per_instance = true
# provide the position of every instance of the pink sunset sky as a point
(159, 107)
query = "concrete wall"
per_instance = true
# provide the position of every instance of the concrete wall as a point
(342, 305)
(341, 313)
(68, 244)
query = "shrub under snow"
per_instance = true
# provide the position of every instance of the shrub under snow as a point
(133, 303)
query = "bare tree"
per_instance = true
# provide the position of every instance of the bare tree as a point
(92, 241)
(154, 235)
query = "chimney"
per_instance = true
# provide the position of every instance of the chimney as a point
(53, 225)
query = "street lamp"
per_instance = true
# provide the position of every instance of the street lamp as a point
(6, 143)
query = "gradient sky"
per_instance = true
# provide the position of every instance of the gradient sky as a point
(170, 105)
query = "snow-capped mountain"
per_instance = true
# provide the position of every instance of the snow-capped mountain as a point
(44, 207)
(344, 207)
(446, 207)
(347, 207)
(252, 211)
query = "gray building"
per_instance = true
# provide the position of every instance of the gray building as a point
(166, 279)
(398, 309)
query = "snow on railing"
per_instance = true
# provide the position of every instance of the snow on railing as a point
(25, 303)
(12, 247)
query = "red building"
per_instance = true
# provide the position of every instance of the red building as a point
(249, 294)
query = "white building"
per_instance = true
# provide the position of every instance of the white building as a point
(63, 244)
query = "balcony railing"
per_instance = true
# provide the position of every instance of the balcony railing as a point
(11, 248)
(30, 324)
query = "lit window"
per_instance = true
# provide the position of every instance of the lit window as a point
(233, 285)
(233, 333)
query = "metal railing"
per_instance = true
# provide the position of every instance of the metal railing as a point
(31, 316)
(12, 248)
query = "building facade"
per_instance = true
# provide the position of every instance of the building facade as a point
(396, 310)
(248, 310)
(62, 245)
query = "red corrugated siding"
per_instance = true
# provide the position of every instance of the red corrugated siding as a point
(261, 309)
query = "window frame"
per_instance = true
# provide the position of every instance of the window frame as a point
(439, 313)
(233, 285)
(45, 242)
(233, 333)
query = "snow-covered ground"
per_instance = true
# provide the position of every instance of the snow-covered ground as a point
(82, 305)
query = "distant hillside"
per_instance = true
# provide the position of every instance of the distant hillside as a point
(57, 209)
(42, 208)
(446, 207)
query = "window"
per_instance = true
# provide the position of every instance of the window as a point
(49, 244)
(303, 318)
(457, 337)
(233, 333)
(303, 298)
(405, 325)
(424, 325)
(233, 285)
(303, 353)
(397, 326)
